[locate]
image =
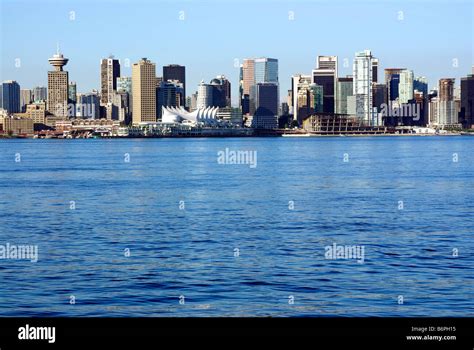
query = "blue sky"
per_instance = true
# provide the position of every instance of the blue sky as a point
(214, 34)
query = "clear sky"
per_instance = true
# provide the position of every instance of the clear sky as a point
(434, 38)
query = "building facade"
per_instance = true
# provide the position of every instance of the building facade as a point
(58, 86)
(144, 91)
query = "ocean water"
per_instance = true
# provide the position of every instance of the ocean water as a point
(172, 232)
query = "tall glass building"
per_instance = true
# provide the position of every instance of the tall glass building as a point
(266, 70)
(405, 86)
(10, 96)
(362, 86)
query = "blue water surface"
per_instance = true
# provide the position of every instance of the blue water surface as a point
(232, 240)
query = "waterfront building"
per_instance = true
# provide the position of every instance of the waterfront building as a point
(176, 72)
(58, 86)
(34, 111)
(16, 126)
(231, 115)
(144, 91)
(10, 96)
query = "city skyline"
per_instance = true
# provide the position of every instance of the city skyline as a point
(213, 57)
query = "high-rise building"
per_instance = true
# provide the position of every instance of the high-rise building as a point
(379, 96)
(58, 86)
(421, 84)
(446, 108)
(72, 92)
(375, 70)
(345, 88)
(467, 101)
(124, 84)
(308, 97)
(300, 85)
(264, 106)
(204, 95)
(405, 86)
(362, 84)
(40, 93)
(247, 80)
(254, 71)
(25, 99)
(169, 94)
(144, 91)
(10, 96)
(88, 106)
(325, 75)
(392, 80)
(109, 72)
(266, 70)
(177, 73)
(221, 92)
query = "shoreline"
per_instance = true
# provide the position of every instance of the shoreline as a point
(309, 135)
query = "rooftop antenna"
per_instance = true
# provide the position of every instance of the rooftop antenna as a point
(57, 48)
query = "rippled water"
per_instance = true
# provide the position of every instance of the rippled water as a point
(191, 252)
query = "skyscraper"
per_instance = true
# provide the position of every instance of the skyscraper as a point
(375, 70)
(421, 84)
(405, 86)
(345, 88)
(467, 101)
(72, 92)
(325, 75)
(124, 84)
(169, 94)
(204, 95)
(109, 72)
(10, 96)
(40, 93)
(264, 106)
(266, 70)
(446, 109)
(300, 84)
(257, 71)
(392, 80)
(144, 91)
(25, 98)
(362, 75)
(247, 72)
(178, 73)
(221, 94)
(58, 85)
